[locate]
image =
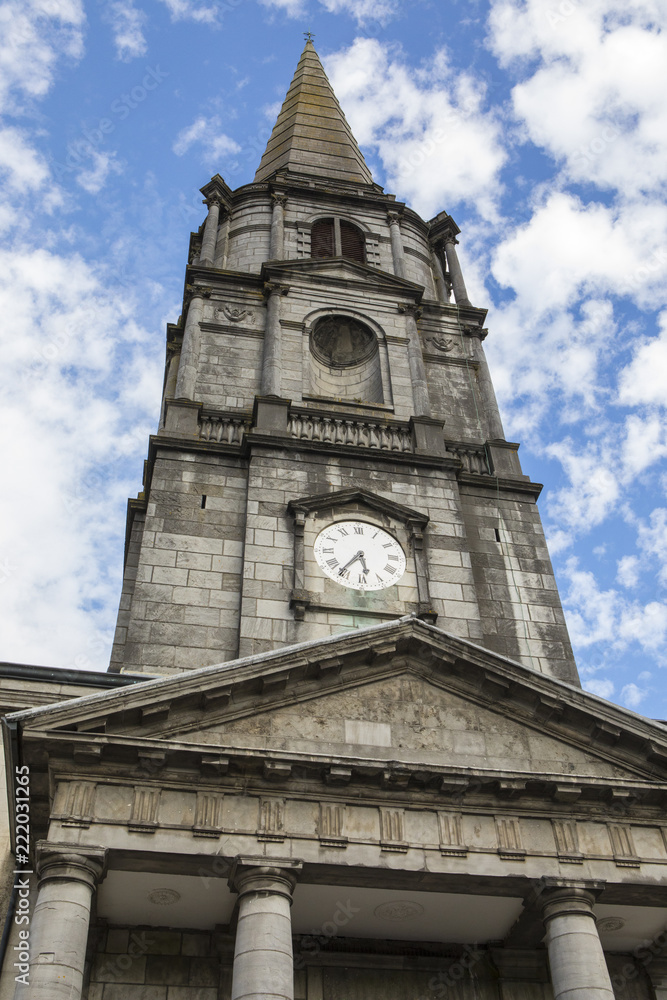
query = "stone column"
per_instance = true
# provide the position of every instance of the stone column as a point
(396, 244)
(458, 284)
(187, 368)
(59, 926)
(272, 359)
(576, 959)
(416, 362)
(207, 255)
(442, 284)
(277, 248)
(494, 425)
(263, 961)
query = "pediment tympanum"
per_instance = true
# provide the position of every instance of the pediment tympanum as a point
(403, 692)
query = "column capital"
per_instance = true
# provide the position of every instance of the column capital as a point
(559, 897)
(197, 291)
(70, 863)
(253, 874)
(410, 309)
(475, 331)
(212, 200)
(275, 287)
(278, 199)
(394, 217)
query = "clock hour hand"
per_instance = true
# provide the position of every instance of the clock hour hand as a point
(363, 563)
(358, 555)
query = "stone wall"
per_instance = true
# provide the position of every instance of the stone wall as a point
(149, 963)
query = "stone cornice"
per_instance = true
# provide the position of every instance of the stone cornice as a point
(367, 277)
(309, 670)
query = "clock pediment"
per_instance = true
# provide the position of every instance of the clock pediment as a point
(335, 500)
(334, 575)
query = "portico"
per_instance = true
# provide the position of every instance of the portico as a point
(299, 872)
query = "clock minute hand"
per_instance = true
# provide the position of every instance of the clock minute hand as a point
(359, 555)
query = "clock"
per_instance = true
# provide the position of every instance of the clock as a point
(359, 555)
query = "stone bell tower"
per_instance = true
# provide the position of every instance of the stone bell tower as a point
(330, 453)
(351, 790)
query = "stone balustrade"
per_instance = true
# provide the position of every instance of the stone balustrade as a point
(309, 426)
(222, 428)
(356, 432)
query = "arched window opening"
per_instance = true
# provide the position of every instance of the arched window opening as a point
(322, 239)
(345, 360)
(337, 238)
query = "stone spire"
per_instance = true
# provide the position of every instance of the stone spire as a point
(311, 135)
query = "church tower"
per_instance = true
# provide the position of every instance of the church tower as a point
(330, 453)
(343, 753)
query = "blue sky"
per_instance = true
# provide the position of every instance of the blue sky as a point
(540, 125)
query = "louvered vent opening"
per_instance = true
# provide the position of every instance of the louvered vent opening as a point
(322, 239)
(351, 242)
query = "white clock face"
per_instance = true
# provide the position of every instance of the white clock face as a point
(359, 555)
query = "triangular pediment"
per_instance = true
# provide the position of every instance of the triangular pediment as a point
(340, 269)
(317, 502)
(404, 693)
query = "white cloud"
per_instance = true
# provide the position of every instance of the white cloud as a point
(206, 132)
(24, 168)
(646, 625)
(594, 488)
(593, 94)
(604, 618)
(644, 381)
(602, 688)
(72, 355)
(568, 249)
(95, 176)
(627, 571)
(632, 696)
(652, 539)
(201, 13)
(645, 442)
(293, 8)
(363, 11)
(413, 118)
(127, 24)
(34, 34)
